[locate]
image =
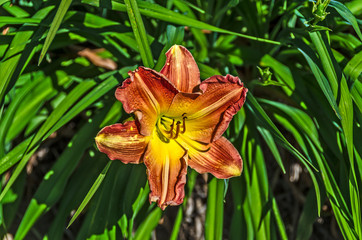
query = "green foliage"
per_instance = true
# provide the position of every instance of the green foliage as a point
(300, 60)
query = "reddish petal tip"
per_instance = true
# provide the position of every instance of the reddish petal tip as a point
(122, 142)
(181, 69)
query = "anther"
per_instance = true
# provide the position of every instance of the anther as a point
(183, 125)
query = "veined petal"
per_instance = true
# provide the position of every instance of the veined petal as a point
(147, 93)
(181, 69)
(166, 167)
(222, 159)
(122, 142)
(209, 114)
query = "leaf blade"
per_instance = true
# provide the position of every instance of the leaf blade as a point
(62, 10)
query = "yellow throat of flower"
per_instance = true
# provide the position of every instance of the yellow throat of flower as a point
(168, 129)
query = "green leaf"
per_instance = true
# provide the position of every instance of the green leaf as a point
(8, 117)
(177, 224)
(260, 115)
(62, 108)
(307, 218)
(62, 10)
(139, 32)
(175, 35)
(300, 119)
(54, 182)
(36, 210)
(3, 1)
(215, 209)
(266, 122)
(24, 159)
(16, 50)
(326, 59)
(272, 146)
(354, 67)
(321, 79)
(200, 37)
(15, 20)
(191, 180)
(279, 221)
(141, 197)
(347, 15)
(156, 11)
(108, 198)
(356, 93)
(346, 108)
(15, 10)
(13, 156)
(238, 227)
(79, 184)
(9, 207)
(339, 205)
(355, 201)
(43, 132)
(123, 224)
(58, 119)
(144, 230)
(90, 194)
(283, 73)
(338, 83)
(91, 97)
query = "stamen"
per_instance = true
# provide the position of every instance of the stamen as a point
(177, 129)
(171, 130)
(183, 125)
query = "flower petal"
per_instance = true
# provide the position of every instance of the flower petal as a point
(181, 69)
(122, 142)
(222, 160)
(208, 114)
(166, 168)
(147, 93)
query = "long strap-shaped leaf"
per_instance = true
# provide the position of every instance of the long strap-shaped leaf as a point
(347, 15)
(57, 119)
(258, 111)
(52, 187)
(68, 101)
(62, 10)
(91, 192)
(158, 12)
(336, 76)
(215, 210)
(139, 32)
(21, 47)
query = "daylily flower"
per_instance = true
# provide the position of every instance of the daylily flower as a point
(179, 122)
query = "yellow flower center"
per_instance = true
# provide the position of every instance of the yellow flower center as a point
(173, 129)
(170, 128)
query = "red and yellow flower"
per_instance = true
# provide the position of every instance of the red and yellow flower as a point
(179, 122)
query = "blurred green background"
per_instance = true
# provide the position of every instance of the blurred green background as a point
(299, 132)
